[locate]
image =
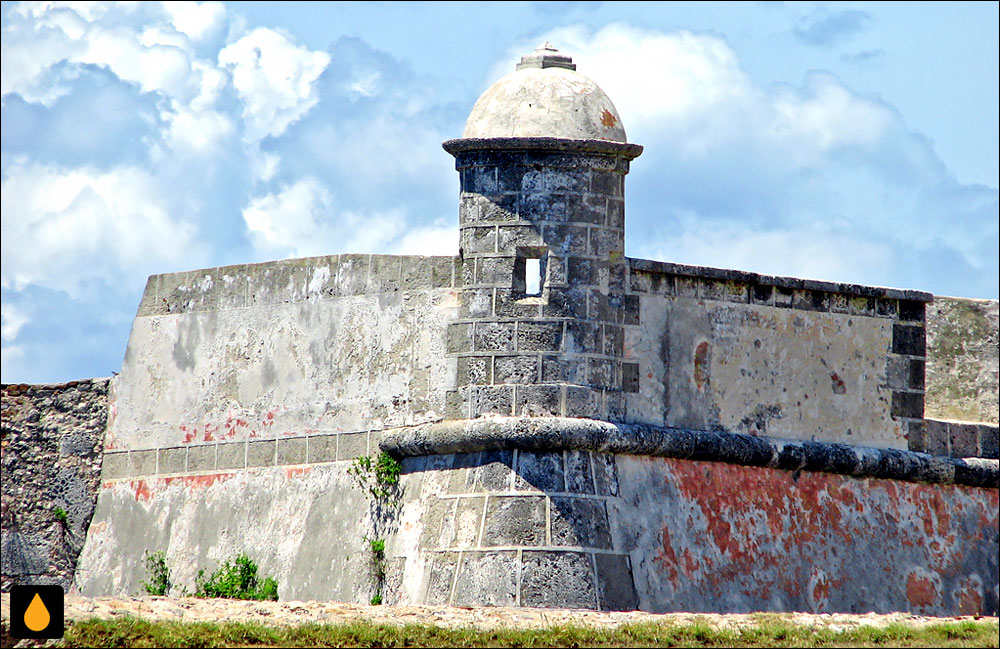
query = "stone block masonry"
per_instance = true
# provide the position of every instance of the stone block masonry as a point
(717, 349)
(557, 351)
(52, 444)
(576, 428)
(577, 528)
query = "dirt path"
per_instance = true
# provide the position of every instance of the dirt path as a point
(287, 613)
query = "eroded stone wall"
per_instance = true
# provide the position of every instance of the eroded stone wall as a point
(707, 536)
(51, 462)
(304, 524)
(963, 359)
(724, 350)
(578, 529)
(322, 345)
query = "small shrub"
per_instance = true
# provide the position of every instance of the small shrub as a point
(380, 476)
(159, 574)
(60, 515)
(236, 579)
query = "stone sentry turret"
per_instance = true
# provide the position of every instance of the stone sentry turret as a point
(542, 162)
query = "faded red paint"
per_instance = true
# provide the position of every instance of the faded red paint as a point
(920, 591)
(196, 481)
(665, 556)
(701, 365)
(297, 472)
(970, 598)
(142, 491)
(838, 384)
(608, 119)
(145, 490)
(751, 530)
(821, 591)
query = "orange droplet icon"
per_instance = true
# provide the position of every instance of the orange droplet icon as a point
(36, 617)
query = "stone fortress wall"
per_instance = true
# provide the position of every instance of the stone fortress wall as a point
(52, 443)
(629, 434)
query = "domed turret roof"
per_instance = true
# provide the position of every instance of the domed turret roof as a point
(545, 97)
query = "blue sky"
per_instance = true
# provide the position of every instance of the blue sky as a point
(851, 142)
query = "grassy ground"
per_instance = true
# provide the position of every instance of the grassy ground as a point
(769, 632)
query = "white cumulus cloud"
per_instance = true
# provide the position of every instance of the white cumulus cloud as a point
(809, 179)
(11, 321)
(65, 227)
(304, 218)
(275, 78)
(196, 20)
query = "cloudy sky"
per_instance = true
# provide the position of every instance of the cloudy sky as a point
(840, 141)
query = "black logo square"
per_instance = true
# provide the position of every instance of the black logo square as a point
(36, 612)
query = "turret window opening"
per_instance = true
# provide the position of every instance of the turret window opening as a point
(529, 271)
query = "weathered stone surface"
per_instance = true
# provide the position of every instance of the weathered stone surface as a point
(514, 520)
(722, 537)
(579, 478)
(963, 361)
(580, 522)
(487, 579)
(539, 471)
(557, 434)
(558, 580)
(616, 588)
(274, 514)
(336, 341)
(52, 446)
(717, 365)
(550, 102)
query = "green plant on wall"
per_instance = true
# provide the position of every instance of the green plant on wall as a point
(61, 515)
(236, 579)
(159, 574)
(379, 477)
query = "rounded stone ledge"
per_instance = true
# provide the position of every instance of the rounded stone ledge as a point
(562, 433)
(548, 144)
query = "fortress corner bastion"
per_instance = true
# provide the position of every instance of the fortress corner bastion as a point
(576, 427)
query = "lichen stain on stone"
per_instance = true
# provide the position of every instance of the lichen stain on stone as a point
(608, 119)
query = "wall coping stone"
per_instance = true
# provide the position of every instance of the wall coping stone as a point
(669, 268)
(15, 388)
(561, 433)
(553, 144)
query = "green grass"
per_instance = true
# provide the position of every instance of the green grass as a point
(768, 632)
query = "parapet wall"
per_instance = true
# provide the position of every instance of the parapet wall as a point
(715, 349)
(51, 457)
(288, 348)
